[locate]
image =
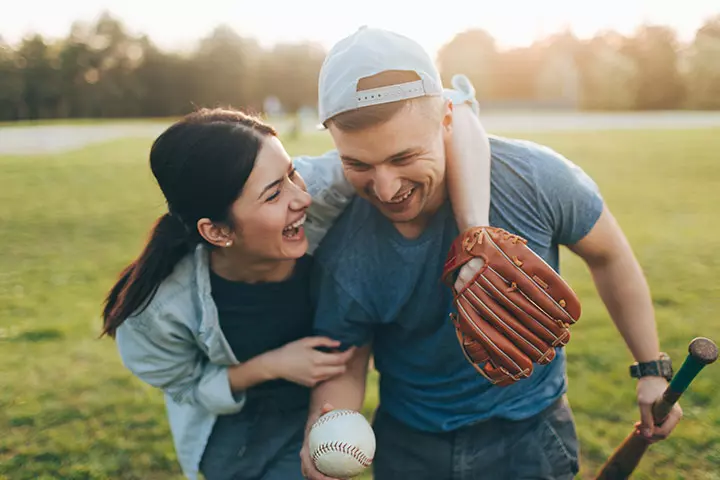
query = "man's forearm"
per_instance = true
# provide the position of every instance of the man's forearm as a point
(344, 391)
(624, 290)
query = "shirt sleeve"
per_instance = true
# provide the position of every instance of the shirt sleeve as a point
(330, 193)
(337, 314)
(168, 358)
(569, 199)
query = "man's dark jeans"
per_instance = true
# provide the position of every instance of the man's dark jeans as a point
(541, 447)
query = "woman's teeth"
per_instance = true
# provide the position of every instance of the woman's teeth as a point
(294, 228)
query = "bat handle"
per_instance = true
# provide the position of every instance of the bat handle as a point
(626, 457)
(664, 405)
(701, 352)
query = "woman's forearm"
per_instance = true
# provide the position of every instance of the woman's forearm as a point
(468, 169)
(250, 373)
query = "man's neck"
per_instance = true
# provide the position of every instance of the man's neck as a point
(239, 268)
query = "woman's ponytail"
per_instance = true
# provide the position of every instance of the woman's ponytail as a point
(168, 243)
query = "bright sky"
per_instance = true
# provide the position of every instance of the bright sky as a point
(178, 24)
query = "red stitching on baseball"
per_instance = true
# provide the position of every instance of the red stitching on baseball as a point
(345, 448)
(331, 416)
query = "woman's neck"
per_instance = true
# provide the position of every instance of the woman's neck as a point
(239, 268)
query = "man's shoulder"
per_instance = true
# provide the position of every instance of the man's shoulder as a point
(538, 186)
(521, 154)
(525, 166)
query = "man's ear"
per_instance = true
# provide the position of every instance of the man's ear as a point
(215, 234)
(447, 112)
(447, 121)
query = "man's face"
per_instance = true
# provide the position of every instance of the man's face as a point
(399, 165)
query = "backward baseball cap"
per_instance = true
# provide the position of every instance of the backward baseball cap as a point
(365, 53)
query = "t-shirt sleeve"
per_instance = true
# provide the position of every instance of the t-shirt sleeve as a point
(337, 314)
(569, 199)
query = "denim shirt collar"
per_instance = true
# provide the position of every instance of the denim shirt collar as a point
(209, 320)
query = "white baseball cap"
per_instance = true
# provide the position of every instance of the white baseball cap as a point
(365, 53)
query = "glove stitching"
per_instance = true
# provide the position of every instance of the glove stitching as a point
(500, 320)
(471, 361)
(492, 346)
(561, 340)
(528, 277)
(549, 317)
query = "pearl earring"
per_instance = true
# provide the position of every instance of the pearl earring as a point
(228, 243)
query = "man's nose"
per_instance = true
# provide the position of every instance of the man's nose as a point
(386, 184)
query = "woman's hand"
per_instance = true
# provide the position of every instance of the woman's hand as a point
(468, 272)
(302, 363)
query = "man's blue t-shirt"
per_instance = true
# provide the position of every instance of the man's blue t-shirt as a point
(373, 285)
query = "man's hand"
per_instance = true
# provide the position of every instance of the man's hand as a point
(308, 467)
(650, 389)
(344, 391)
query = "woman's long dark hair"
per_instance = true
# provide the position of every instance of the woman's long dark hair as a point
(201, 164)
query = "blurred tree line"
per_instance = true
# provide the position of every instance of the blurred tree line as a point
(100, 70)
(649, 70)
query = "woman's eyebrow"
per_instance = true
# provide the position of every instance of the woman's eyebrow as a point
(269, 186)
(276, 182)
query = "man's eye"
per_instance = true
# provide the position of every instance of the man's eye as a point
(273, 196)
(401, 160)
(358, 166)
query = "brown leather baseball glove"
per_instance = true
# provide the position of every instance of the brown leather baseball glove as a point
(514, 311)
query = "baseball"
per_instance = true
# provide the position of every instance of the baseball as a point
(342, 443)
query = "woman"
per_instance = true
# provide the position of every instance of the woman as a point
(216, 310)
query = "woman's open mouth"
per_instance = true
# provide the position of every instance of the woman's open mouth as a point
(295, 230)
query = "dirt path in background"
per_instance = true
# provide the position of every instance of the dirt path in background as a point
(58, 138)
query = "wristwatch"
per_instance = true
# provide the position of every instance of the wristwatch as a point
(662, 367)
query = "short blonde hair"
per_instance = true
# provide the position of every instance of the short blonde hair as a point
(373, 115)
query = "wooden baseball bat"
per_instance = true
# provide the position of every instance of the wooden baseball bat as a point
(620, 465)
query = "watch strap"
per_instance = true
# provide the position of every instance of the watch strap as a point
(662, 367)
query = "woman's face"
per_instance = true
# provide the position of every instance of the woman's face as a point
(269, 214)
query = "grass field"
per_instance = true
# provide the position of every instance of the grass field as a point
(69, 410)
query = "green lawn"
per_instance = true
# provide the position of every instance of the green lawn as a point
(69, 410)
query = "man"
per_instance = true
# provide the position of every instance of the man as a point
(379, 268)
